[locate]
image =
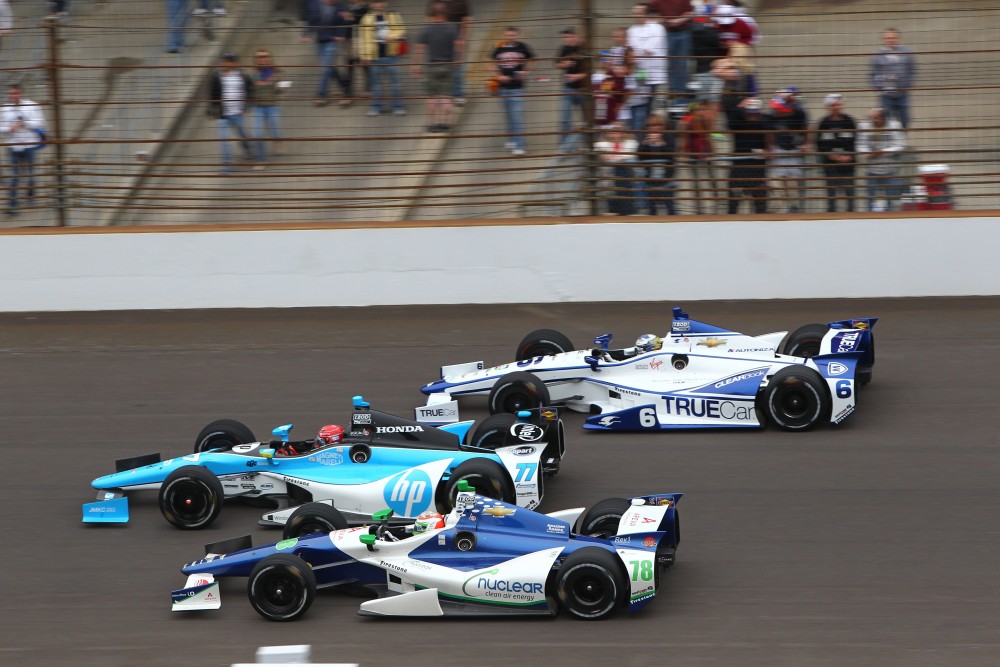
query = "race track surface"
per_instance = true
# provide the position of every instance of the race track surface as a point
(873, 543)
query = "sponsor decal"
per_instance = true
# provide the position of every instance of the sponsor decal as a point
(328, 458)
(102, 510)
(842, 415)
(663, 502)
(848, 341)
(295, 480)
(361, 418)
(417, 565)
(709, 408)
(526, 432)
(858, 324)
(737, 378)
(441, 539)
(201, 582)
(548, 415)
(558, 529)
(248, 477)
(392, 566)
(655, 364)
(361, 433)
(649, 542)
(230, 486)
(634, 519)
(610, 420)
(266, 487)
(286, 544)
(248, 487)
(712, 342)
(499, 511)
(251, 464)
(192, 457)
(752, 349)
(681, 325)
(627, 392)
(836, 368)
(437, 413)
(409, 493)
(623, 540)
(399, 429)
(531, 505)
(487, 584)
(523, 451)
(242, 449)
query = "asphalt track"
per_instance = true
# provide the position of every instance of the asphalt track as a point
(873, 543)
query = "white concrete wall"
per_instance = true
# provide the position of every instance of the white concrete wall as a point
(636, 261)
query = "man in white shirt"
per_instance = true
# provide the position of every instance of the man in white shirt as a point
(23, 126)
(231, 92)
(648, 40)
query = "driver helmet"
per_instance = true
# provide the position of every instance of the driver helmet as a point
(329, 434)
(648, 343)
(429, 520)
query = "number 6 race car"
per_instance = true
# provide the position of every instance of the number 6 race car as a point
(485, 558)
(383, 461)
(696, 376)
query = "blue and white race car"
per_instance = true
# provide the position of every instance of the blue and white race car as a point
(486, 557)
(696, 376)
(384, 461)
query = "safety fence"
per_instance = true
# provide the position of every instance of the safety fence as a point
(129, 139)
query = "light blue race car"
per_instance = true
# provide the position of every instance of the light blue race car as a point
(383, 461)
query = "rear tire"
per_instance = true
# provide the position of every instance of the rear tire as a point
(805, 341)
(591, 584)
(281, 587)
(796, 399)
(223, 433)
(492, 431)
(313, 518)
(486, 477)
(191, 497)
(543, 343)
(517, 391)
(603, 518)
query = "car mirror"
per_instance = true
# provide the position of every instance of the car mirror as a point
(267, 453)
(382, 515)
(592, 360)
(282, 432)
(464, 486)
(368, 540)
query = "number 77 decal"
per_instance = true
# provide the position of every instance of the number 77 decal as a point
(526, 472)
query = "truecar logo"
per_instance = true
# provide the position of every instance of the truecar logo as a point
(408, 493)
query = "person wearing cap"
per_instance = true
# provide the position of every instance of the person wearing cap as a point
(574, 62)
(738, 37)
(230, 97)
(648, 40)
(835, 142)
(893, 71)
(880, 142)
(790, 128)
(751, 146)
(677, 20)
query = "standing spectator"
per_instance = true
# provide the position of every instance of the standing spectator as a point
(514, 62)
(751, 144)
(648, 40)
(459, 12)
(620, 52)
(265, 95)
(677, 20)
(893, 72)
(657, 156)
(177, 18)
(441, 43)
(706, 49)
(617, 150)
(381, 34)
(694, 131)
(790, 127)
(574, 62)
(23, 126)
(205, 6)
(230, 95)
(835, 143)
(328, 23)
(880, 142)
(611, 95)
(738, 37)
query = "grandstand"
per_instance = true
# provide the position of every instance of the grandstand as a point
(122, 99)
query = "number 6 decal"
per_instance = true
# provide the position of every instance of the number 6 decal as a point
(647, 417)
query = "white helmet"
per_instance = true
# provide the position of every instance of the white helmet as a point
(648, 343)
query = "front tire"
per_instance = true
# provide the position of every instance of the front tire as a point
(313, 518)
(517, 391)
(796, 399)
(805, 341)
(603, 518)
(281, 587)
(591, 584)
(225, 433)
(543, 343)
(486, 477)
(191, 497)
(492, 431)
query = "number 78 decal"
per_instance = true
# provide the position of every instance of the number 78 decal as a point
(526, 472)
(641, 569)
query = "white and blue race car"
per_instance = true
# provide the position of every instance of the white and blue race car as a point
(384, 461)
(696, 376)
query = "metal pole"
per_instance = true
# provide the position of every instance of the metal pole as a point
(56, 135)
(592, 167)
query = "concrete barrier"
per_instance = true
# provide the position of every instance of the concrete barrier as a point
(537, 262)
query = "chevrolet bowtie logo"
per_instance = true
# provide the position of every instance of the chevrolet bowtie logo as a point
(712, 342)
(499, 511)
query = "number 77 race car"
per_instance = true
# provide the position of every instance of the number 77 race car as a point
(486, 557)
(383, 461)
(696, 376)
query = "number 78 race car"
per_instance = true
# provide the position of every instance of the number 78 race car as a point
(484, 558)
(696, 376)
(384, 461)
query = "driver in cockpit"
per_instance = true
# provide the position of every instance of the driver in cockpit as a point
(643, 344)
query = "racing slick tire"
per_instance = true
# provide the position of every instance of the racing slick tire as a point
(281, 587)
(591, 584)
(603, 518)
(486, 477)
(805, 341)
(223, 433)
(191, 497)
(796, 399)
(516, 391)
(313, 518)
(492, 431)
(543, 343)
